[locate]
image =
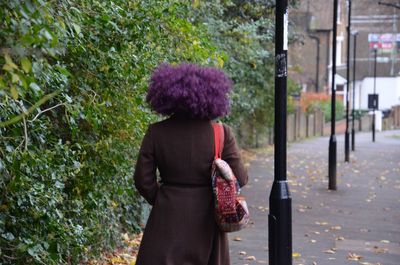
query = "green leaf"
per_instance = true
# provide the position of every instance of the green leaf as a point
(77, 28)
(26, 65)
(47, 34)
(9, 236)
(9, 61)
(14, 78)
(63, 71)
(59, 184)
(34, 86)
(14, 92)
(2, 84)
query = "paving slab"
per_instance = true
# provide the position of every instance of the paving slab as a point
(359, 223)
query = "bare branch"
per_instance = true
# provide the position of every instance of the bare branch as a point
(42, 111)
(25, 127)
(25, 134)
(19, 117)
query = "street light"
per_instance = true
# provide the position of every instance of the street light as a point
(347, 136)
(353, 132)
(280, 201)
(374, 101)
(332, 140)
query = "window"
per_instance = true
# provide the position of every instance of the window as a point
(338, 52)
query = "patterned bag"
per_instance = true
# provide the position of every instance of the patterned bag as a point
(231, 211)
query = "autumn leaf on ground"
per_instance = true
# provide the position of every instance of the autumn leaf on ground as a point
(296, 255)
(353, 256)
(329, 251)
(250, 258)
(379, 250)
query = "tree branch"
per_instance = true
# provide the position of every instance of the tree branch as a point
(19, 117)
(42, 111)
(25, 134)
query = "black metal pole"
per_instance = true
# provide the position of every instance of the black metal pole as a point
(317, 73)
(347, 134)
(280, 202)
(373, 109)
(332, 140)
(353, 132)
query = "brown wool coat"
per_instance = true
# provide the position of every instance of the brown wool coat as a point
(181, 229)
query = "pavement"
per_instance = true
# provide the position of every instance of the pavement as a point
(359, 223)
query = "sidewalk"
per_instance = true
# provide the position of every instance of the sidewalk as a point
(357, 224)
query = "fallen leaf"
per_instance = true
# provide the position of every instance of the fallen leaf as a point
(296, 255)
(242, 253)
(378, 250)
(329, 251)
(250, 258)
(237, 239)
(353, 256)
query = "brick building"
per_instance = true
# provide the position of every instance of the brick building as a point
(310, 56)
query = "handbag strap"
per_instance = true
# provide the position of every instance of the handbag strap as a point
(219, 138)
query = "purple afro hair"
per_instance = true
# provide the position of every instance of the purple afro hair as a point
(190, 90)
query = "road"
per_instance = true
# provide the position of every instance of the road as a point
(357, 224)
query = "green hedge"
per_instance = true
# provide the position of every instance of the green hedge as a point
(72, 83)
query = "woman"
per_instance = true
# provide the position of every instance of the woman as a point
(181, 229)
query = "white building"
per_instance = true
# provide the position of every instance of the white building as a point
(387, 88)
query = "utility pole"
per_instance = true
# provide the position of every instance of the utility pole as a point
(332, 140)
(347, 135)
(353, 132)
(280, 201)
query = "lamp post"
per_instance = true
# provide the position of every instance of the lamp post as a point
(374, 104)
(347, 135)
(332, 139)
(353, 132)
(280, 201)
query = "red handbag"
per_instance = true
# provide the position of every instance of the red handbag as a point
(231, 211)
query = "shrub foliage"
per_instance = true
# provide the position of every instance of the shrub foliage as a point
(72, 81)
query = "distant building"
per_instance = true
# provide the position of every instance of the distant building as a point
(310, 56)
(377, 26)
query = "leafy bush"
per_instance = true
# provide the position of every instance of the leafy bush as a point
(245, 32)
(310, 101)
(72, 116)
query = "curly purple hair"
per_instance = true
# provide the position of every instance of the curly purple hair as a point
(189, 90)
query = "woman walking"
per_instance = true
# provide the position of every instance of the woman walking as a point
(181, 228)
